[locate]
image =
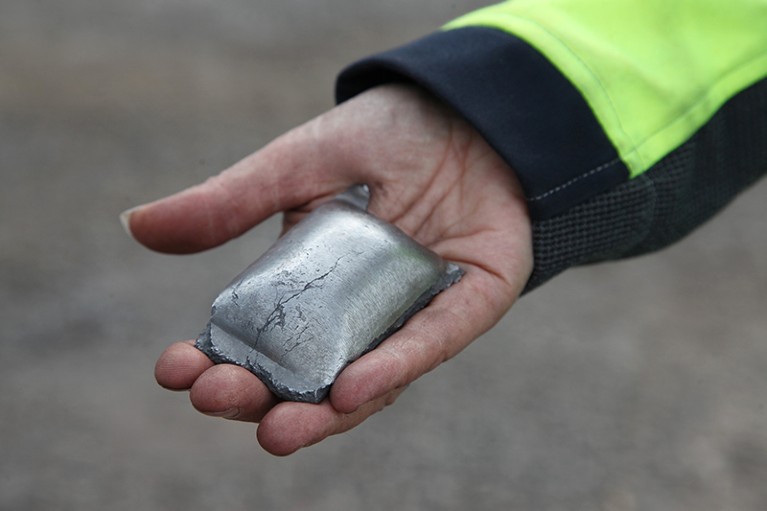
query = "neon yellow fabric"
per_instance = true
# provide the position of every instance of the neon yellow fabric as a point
(653, 71)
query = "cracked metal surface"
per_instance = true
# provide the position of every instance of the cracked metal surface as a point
(333, 287)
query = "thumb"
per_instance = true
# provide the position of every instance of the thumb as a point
(291, 171)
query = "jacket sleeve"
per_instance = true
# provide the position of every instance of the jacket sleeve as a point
(628, 123)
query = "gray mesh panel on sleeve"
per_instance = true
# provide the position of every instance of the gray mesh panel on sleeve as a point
(668, 201)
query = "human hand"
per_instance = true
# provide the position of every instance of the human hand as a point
(429, 173)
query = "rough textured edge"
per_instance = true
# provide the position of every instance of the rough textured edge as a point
(265, 370)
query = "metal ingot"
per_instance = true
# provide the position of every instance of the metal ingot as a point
(333, 287)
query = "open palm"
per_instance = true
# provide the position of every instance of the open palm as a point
(430, 174)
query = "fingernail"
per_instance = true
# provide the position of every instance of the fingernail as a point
(230, 413)
(125, 220)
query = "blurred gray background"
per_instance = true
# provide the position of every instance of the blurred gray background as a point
(628, 386)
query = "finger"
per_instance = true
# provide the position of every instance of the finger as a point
(434, 335)
(231, 392)
(180, 365)
(289, 172)
(289, 426)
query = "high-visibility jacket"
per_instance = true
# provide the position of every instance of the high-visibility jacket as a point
(628, 122)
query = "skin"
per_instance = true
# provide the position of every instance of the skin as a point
(431, 174)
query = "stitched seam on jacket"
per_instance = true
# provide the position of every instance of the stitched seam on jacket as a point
(574, 180)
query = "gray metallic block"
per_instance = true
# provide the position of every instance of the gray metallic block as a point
(332, 288)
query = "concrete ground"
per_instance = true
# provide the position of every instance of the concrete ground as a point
(629, 386)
